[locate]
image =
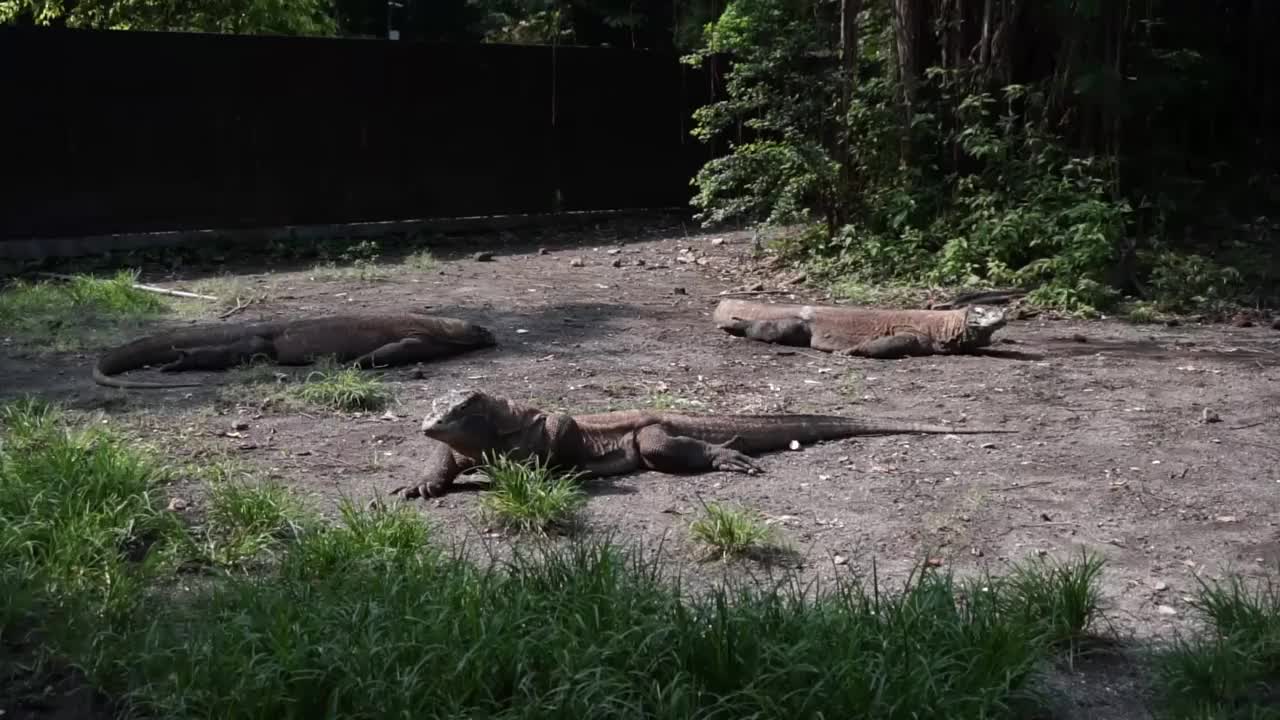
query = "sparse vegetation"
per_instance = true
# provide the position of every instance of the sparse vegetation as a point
(529, 496)
(357, 617)
(348, 389)
(421, 261)
(730, 532)
(79, 313)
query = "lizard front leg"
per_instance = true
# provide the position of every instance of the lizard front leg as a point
(441, 468)
(660, 450)
(892, 347)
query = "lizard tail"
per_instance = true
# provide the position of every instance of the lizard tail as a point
(103, 379)
(761, 433)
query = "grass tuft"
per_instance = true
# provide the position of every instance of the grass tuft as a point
(1063, 597)
(348, 389)
(528, 496)
(730, 532)
(1232, 670)
(421, 261)
(80, 313)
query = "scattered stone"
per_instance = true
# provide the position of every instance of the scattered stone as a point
(679, 291)
(640, 262)
(177, 505)
(840, 560)
(1166, 610)
(1172, 322)
(756, 288)
(1160, 586)
(1208, 416)
(239, 425)
(1227, 518)
(617, 262)
(543, 251)
(795, 445)
(484, 256)
(1077, 337)
(577, 262)
(717, 241)
(418, 373)
(988, 446)
(934, 562)
(612, 251)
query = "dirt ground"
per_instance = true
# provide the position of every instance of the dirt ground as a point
(1113, 453)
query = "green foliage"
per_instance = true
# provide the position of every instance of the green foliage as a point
(286, 17)
(974, 182)
(528, 496)
(82, 312)
(246, 520)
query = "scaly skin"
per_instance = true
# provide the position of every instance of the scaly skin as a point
(364, 340)
(863, 332)
(466, 424)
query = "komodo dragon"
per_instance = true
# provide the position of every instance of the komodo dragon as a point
(466, 424)
(365, 340)
(865, 332)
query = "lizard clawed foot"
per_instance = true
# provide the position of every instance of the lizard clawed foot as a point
(733, 461)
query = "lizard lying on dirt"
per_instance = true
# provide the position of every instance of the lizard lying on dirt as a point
(365, 340)
(865, 332)
(466, 424)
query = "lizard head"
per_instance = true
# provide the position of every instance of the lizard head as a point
(471, 334)
(982, 321)
(467, 420)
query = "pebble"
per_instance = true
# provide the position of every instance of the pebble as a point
(1166, 610)
(576, 262)
(484, 256)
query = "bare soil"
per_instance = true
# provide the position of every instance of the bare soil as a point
(1114, 452)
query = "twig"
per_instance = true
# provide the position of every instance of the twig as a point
(747, 293)
(146, 288)
(240, 306)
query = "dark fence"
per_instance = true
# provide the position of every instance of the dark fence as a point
(116, 132)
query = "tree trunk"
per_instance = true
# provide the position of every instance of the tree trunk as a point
(849, 10)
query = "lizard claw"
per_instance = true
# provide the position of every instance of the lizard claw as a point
(733, 461)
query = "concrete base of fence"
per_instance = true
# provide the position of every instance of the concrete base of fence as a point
(39, 248)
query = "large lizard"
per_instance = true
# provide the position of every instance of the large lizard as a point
(364, 340)
(865, 332)
(466, 424)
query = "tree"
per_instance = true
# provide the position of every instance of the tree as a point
(286, 17)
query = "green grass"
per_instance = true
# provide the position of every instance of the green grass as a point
(348, 389)
(730, 532)
(249, 520)
(80, 313)
(1233, 669)
(80, 527)
(529, 496)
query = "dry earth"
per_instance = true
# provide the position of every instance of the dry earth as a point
(1114, 453)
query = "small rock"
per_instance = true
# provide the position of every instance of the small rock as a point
(177, 505)
(1172, 322)
(717, 241)
(1160, 586)
(934, 562)
(756, 288)
(840, 560)
(1275, 324)
(1226, 518)
(1077, 337)
(543, 251)
(1041, 552)
(795, 445)
(577, 262)
(617, 262)
(418, 373)
(679, 291)
(640, 262)
(612, 251)
(1166, 610)
(484, 256)
(521, 331)
(239, 425)
(988, 446)
(1209, 416)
